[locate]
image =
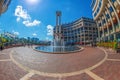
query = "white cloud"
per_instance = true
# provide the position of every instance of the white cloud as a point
(15, 32)
(18, 19)
(21, 13)
(34, 34)
(30, 24)
(50, 30)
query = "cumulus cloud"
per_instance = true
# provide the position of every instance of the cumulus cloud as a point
(30, 24)
(34, 34)
(15, 32)
(21, 13)
(50, 30)
(18, 19)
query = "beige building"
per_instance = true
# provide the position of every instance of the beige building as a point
(106, 13)
(80, 32)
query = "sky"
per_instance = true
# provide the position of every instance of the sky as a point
(36, 18)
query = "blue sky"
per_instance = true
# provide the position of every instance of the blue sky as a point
(36, 18)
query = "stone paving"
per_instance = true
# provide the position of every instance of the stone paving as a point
(58, 63)
(24, 63)
(9, 70)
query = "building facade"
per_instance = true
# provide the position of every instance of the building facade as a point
(106, 13)
(4, 5)
(82, 31)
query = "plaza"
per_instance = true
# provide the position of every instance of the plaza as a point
(88, 64)
(82, 49)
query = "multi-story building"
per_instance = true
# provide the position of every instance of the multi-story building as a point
(106, 13)
(4, 5)
(82, 31)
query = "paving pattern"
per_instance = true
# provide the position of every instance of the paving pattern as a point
(24, 63)
(57, 63)
(9, 70)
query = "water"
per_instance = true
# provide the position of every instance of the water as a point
(58, 42)
(58, 46)
(57, 49)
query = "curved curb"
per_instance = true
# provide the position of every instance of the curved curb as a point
(58, 75)
(81, 49)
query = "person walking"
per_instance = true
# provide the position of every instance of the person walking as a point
(1, 46)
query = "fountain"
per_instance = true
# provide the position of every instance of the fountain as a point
(58, 45)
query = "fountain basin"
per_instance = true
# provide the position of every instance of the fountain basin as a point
(58, 49)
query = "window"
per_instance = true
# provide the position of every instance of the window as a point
(94, 28)
(107, 16)
(103, 21)
(89, 24)
(5, 1)
(113, 1)
(99, 24)
(86, 24)
(94, 1)
(110, 9)
(105, 30)
(110, 28)
(95, 14)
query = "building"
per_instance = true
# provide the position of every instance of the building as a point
(4, 5)
(82, 31)
(106, 13)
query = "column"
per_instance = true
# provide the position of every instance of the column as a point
(98, 31)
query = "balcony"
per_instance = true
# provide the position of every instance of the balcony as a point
(104, 27)
(107, 34)
(100, 28)
(114, 20)
(111, 31)
(116, 5)
(113, 14)
(117, 28)
(109, 24)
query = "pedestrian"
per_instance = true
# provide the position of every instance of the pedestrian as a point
(0, 46)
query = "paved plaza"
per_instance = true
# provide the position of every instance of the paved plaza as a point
(23, 63)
